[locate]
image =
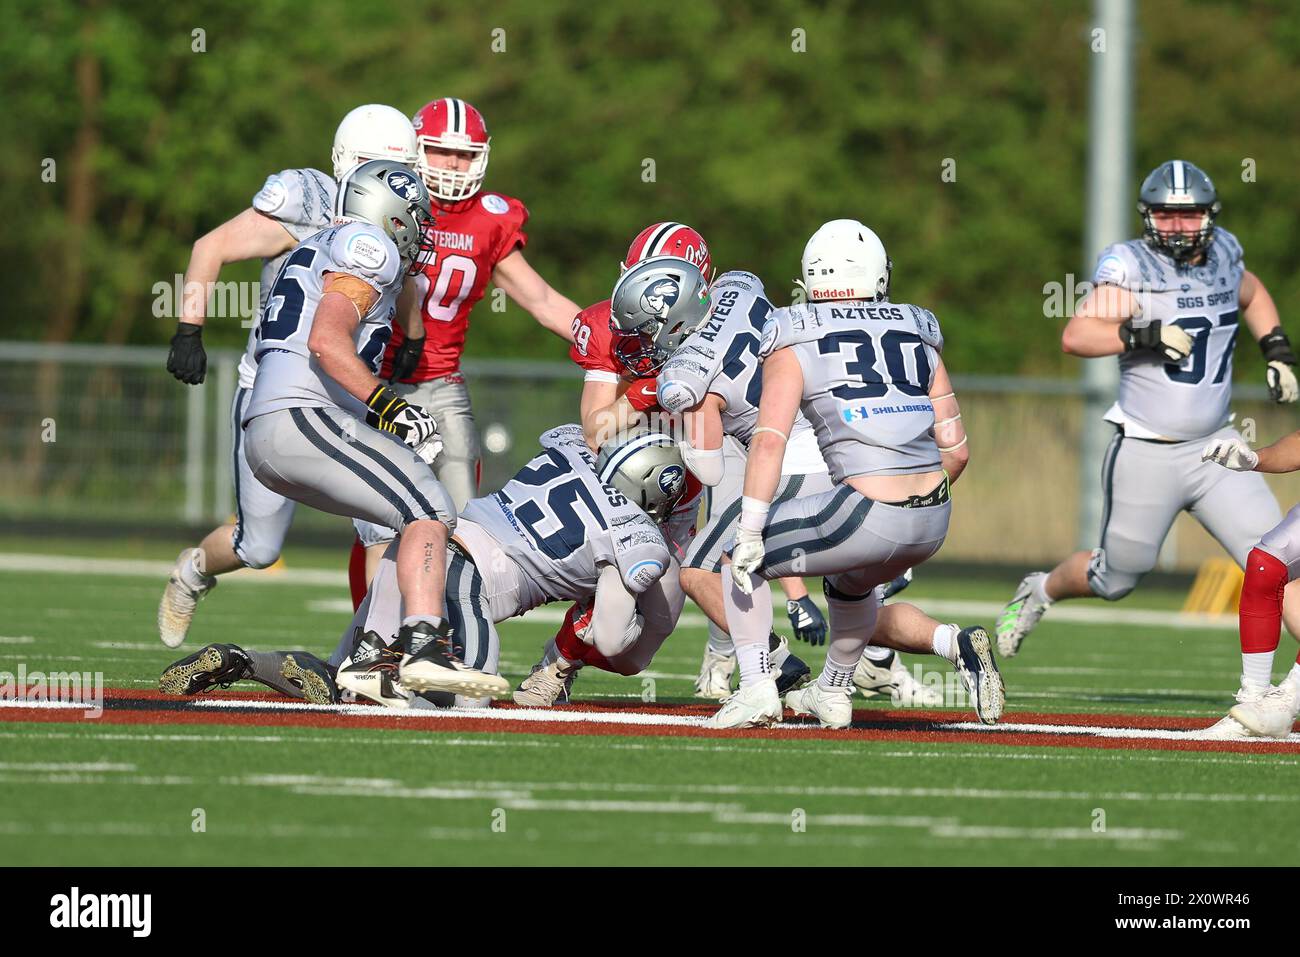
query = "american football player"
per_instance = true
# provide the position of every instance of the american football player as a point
(291, 206)
(321, 428)
(1169, 306)
(1264, 709)
(478, 236)
(866, 373)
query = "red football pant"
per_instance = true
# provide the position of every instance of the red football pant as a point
(1260, 617)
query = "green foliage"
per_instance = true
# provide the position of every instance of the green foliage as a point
(753, 143)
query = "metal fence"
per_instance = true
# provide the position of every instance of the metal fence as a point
(105, 434)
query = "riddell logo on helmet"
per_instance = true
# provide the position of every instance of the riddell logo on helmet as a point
(834, 294)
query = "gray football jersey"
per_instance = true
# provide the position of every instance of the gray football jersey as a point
(560, 523)
(302, 201)
(721, 357)
(867, 372)
(1189, 399)
(288, 376)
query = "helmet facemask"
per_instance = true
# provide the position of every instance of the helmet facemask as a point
(1179, 245)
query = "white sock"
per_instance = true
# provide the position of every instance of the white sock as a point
(945, 642)
(191, 575)
(720, 642)
(411, 620)
(1257, 668)
(755, 663)
(1293, 675)
(836, 676)
(1040, 590)
(878, 654)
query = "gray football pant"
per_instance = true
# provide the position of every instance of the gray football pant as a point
(331, 460)
(853, 542)
(1282, 541)
(1146, 484)
(262, 517)
(457, 467)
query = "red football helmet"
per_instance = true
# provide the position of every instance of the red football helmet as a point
(671, 239)
(452, 124)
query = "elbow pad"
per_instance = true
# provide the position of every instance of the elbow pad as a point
(705, 464)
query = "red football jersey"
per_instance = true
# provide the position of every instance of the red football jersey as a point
(471, 238)
(593, 341)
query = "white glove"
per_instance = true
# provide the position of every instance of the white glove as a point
(430, 449)
(414, 426)
(1231, 454)
(1175, 343)
(746, 556)
(1281, 382)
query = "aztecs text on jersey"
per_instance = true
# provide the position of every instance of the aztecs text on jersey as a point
(288, 375)
(1189, 399)
(560, 523)
(471, 237)
(867, 370)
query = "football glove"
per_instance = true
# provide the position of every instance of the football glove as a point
(390, 413)
(643, 394)
(806, 620)
(1171, 342)
(186, 360)
(406, 359)
(1281, 359)
(890, 589)
(746, 557)
(1231, 454)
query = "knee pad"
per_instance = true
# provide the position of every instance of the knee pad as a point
(1107, 582)
(257, 554)
(834, 594)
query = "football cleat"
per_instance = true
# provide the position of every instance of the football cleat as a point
(1269, 714)
(1227, 729)
(1020, 616)
(792, 672)
(370, 672)
(211, 666)
(547, 684)
(751, 706)
(806, 620)
(833, 708)
(311, 676)
(714, 680)
(891, 677)
(432, 665)
(176, 610)
(979, 673)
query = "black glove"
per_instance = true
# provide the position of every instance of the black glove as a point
(187, 361)
(890, 589)
(406, 358)
(806, 620)
(389, 412)
(1171, 342)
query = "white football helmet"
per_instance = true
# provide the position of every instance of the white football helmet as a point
(845, 260)
(371, 132)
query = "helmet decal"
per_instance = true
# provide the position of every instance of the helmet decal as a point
(660, 297)
(404, 184)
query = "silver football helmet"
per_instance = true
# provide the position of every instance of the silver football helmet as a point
(388, 194)
(1178, 185)
(646, 466)
(655, 305)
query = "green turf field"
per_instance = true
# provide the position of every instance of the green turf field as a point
(102, 793)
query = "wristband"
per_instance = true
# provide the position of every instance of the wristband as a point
(1276, 347)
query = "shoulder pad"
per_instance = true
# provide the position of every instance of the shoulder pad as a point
(927, 327)
(1115, 266)
(741, 279)
(561, 436)
(788, 326)
(361, 250)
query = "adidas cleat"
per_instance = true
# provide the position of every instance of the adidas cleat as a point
(1020, 616)
(432, 665)
(311, 676)
(979, 673)
(752, 706)
(210, 667)
(176, 610)
(370, 672)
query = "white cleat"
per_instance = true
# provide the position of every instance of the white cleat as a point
(892, 678)
(834, 708)
(1271, 714)
(1020, 616)
(752, 706)
(1227, 729)
(176, 610)
(546, 685)
(715, 675)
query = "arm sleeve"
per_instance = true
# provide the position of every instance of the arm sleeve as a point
(640, 553)
(614, 619)
(684, 381)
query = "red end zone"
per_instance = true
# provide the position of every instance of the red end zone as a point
(1017, 729)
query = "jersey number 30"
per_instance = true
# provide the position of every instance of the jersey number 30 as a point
(865, 349)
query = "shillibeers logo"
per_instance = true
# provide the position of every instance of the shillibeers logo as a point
(102, 910)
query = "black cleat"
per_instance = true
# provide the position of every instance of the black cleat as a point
(371, 672)
(210, 667)
(979, 673)
(794, 672)
(433, 665)
(311, 676)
